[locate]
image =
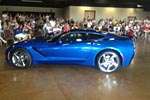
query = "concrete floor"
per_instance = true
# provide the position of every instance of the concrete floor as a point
(55, 82)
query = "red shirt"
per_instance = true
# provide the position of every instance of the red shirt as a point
(66, 29)
(145, 27)
(131, 33)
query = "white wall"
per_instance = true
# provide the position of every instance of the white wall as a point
(66, 12)
(58, 11)
(77, 12)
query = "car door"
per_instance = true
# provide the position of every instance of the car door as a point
(70, 47)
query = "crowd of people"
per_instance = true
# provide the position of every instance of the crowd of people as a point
(26, 26)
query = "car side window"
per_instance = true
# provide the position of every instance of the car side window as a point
(94, 36)
(74, 37)
(81, 37)
(66, 38)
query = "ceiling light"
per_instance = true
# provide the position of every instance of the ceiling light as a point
(139, 5)
(37, 1)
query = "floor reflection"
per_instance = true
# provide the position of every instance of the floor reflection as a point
(108, 82)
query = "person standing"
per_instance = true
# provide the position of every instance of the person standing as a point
(1, 31)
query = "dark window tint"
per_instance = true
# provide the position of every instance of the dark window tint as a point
(78, 37)
(67, 38)
(74, 37)
(95, 36)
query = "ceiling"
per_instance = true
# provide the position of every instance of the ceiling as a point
(65, 3)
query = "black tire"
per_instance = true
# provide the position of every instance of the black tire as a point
(21, 58)
(108, 61)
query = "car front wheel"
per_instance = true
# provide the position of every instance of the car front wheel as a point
(108, 61)
(21, 58)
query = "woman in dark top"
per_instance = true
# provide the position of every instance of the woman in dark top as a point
(19, 35)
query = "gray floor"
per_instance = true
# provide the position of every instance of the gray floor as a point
(55, 82)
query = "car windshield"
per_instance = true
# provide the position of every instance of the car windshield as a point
(56, 37)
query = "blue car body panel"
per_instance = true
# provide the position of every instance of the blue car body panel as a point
(82, 52)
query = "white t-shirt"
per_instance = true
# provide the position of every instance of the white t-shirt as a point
(48, 29)
(53, 23)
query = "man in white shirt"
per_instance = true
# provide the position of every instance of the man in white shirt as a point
(53, 22)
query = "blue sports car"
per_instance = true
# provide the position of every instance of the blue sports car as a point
(106, 52)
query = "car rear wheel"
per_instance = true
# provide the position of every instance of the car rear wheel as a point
(21, 58)
(108, 61)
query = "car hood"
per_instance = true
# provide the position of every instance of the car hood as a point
(38, 42)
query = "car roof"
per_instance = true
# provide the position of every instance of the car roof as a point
(84, 30)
